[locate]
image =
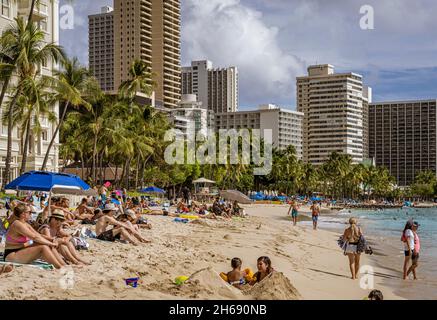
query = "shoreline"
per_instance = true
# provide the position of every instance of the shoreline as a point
(310, 261)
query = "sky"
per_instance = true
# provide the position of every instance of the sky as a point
(273, 41)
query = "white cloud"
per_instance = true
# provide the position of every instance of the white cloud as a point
(231, 34)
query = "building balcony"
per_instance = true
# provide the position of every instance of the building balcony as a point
(40, 12)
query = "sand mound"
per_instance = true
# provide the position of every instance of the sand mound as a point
(275, 287)
(208, 281)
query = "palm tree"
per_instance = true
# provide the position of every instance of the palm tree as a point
(34, 103)
(140, 81)
(72, 82)
(26, 47)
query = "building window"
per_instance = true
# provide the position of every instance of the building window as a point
(42, 25)
(6, 8)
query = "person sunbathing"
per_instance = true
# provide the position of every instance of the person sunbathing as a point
(54, 230)
(119, 230)
(83, 212)
(25, 245)
(127, 219)
(137, 220)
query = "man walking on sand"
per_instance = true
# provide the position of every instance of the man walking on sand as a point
(315, 212)
(294, 207)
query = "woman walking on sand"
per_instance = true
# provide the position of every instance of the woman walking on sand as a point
(411, 242)
(294, 211)
(352, 237)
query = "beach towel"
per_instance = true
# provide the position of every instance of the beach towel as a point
(80, 243)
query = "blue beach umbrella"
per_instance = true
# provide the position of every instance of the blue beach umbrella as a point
(152, 190)
(48, 181)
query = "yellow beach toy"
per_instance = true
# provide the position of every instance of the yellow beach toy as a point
(184, 216)
(249, 275)
(180, 280)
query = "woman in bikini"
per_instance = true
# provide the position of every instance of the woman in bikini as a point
(25, 245)
(352, 236)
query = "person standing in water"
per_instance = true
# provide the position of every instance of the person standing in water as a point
(315, 213)
(412, 248)
(294, 208)
(352, 236)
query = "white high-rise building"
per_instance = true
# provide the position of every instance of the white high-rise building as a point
(190, 117)
(46, 16)
(216, 89)
(286, 125)
(334, 105)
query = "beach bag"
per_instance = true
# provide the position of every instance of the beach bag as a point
(342, 244)
(80, 243)
(363, 246)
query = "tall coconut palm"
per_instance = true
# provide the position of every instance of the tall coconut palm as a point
(25, 45)
(72, 82)
(140, 81)
(35, 103)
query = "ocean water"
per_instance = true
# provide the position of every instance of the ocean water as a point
(386, 226)
(390, 223)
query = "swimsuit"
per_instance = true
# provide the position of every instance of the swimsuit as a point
(108, 236)
(294, 213)
(20, 240)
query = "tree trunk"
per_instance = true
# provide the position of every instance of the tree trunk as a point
(137, 172)
(32, 8)
(101, 168)
(25, 147)
(82, 166)
(116, 174)
(7, 174)
(52, 140)
(122, 174)
(127, 173)
(93, 168)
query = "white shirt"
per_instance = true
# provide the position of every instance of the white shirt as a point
(409, 244)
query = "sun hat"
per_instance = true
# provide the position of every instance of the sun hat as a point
(58, 214)
(110, 207)
(131, 213)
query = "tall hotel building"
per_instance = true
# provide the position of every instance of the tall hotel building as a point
(286, 125)
(216, 89)
(334, 106)
(149, 30)
(101, 47)
(403, 137)
(46, 16)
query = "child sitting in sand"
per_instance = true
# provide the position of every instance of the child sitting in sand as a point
(237, 277)
(264, 265)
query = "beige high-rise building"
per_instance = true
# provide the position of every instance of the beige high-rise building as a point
(101, 47)
(215, 88)
(286, 125)
(149, 30)
(334, 106)
(46, 16)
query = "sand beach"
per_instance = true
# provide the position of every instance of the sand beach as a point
(309, 264)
